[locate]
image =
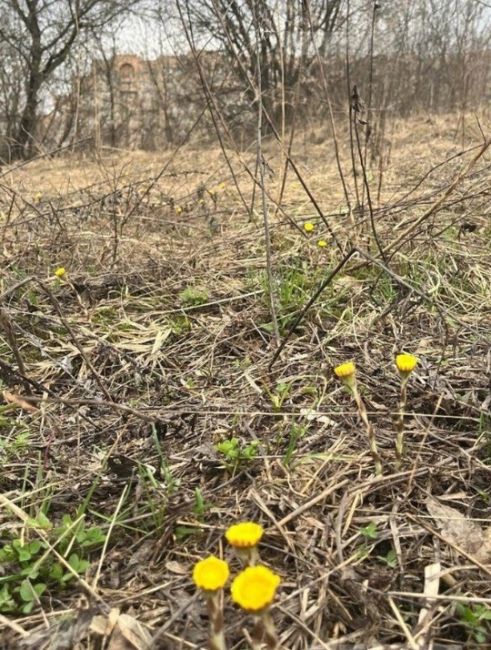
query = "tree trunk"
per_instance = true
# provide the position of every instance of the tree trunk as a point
(24, 145)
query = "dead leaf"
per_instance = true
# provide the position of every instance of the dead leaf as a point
(11, 398)
(461, 531)
(177, 568)
(124, 631)
(132, 635)
(311, 415)
(431, 588)
(62, 635)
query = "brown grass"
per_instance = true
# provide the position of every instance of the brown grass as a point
(118, 363)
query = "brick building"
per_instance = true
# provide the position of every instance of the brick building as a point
(134, 103)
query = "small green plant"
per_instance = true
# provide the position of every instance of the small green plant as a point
(476, 618)
(18, 437)
(369, 533)
(9, 447)
(193, 296)
(293, 287)
(106, 315)
(294, 283)
(200, 505)
(172, 483)
(297, 432)
(179, 324)
(235, 453)
(182, 533)
(390, 559)
(29, 568)
(370, 530)
(242, 364)
(280, 394)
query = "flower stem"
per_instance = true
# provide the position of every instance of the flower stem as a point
(264, 633)
(215, 614)
(400, 422)
(370, 432)
(249, 556)
(270, 636)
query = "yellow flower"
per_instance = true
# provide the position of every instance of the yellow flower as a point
(322, 243)
(217, 188)
(308, 226)
(345, 370)
(255, 588)
(178, 209)
(406, 363)
(244, 535)
(60, 272)
(211, 574)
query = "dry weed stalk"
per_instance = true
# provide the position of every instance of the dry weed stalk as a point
(261, 163)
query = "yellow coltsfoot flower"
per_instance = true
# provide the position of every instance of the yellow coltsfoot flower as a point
(345, 370)
(255, 588)
(322, 243)
(406, 363)
(211, 574)
(244, 535)
(60, 272)
(308, 226)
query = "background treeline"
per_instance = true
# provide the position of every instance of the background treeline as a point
(303, 56)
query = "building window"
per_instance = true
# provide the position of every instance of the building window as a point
(126, 72)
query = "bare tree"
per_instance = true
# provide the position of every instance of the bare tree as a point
(290, 33)
(42, 33)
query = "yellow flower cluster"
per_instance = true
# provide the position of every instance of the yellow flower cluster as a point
(308, 226)
(346, 372)
(405, 363)
(255, 587)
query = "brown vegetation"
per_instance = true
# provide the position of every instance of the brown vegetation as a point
(121, 379)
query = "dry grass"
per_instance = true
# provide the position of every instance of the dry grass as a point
(135, 378)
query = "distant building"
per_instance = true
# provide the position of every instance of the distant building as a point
(133, 103)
